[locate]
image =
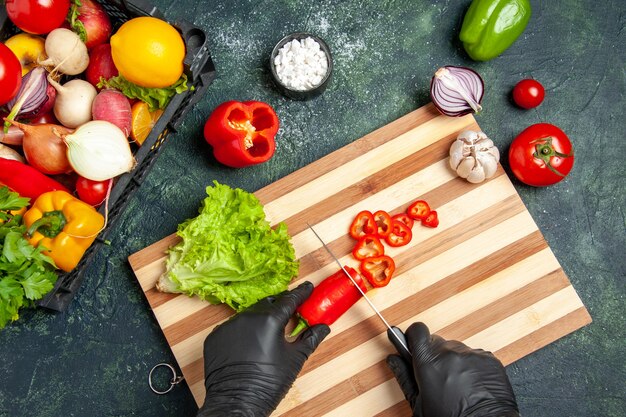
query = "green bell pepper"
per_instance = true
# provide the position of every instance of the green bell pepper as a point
(491, 26)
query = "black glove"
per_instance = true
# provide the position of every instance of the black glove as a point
(448, 379)
(248, 364)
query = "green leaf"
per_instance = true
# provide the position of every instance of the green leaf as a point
(229, 253)
(156, 98)
(10, 200)
(38, 284)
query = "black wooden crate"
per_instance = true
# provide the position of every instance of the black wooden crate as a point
(200, 73)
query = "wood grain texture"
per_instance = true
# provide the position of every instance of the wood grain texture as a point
(485, 276)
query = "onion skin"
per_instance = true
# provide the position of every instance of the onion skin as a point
(43, 148)
(457, 91)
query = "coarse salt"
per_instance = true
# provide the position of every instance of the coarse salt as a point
(301, 64)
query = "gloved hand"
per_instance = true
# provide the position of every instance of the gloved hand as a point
(448, 379)
(248, 364)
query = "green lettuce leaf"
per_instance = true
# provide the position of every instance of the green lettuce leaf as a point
(156, 98)
(229, 253)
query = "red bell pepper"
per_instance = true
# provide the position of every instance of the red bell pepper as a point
(242, 133)
(383, 223)
(432, 220)
(367, 247)
(26, 180)
(378, 271)
(400, 234)
(330, 299)
(403, 218)
(363, 224)
(418, 210)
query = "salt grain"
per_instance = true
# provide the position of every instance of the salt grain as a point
(301, 64)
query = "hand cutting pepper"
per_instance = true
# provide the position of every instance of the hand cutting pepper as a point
(242, 133)
(64, 225)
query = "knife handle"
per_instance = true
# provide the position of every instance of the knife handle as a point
(395, 339)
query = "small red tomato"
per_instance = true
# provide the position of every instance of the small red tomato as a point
(92, 192)
(37, 16)
(10, 74)
(541, 155)
(528, 93)
(432, 220)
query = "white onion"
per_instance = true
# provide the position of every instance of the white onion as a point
(457, 91)
(98, 150)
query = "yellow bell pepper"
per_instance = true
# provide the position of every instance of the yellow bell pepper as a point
(64, 225)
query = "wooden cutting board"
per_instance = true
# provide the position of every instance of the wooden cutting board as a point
(485, 276)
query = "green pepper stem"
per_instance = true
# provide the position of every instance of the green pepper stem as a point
(49, 225)
(302, 324)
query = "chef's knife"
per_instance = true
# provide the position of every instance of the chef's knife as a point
(395, 334)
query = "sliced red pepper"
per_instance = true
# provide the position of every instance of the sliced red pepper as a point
(367, 247)
(363, 224)
(400, 234)
(242, 133)
(418, 210)
(383, 223)
(432, 220)
(403, 218)
(330, 299)
(378, 270)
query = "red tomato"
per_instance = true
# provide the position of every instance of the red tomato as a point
(92, 192)
(10, 74)
(541, 155)
(528, 93)
(37, 16)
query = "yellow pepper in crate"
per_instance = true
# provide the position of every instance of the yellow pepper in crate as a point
(64, 225)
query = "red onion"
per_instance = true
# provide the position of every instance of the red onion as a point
(457, 91)
(36, 96)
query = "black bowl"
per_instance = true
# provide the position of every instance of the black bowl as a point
(301, 94)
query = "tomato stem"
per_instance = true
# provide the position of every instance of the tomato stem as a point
(544, 150)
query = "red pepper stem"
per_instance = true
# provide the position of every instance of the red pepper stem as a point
(302, 325)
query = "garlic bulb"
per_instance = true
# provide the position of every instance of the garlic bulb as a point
(474, 156)
(98, 150)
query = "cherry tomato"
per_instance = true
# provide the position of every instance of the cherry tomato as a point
(10, 74)
(528, 93)
(541, 155)
(37, 16)
(92, 192)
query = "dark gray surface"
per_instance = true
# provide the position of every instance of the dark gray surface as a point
(93, 360)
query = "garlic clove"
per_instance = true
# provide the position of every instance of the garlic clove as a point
(476, 175)
(465, 167)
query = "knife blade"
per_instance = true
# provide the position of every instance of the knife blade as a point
(394, 334)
